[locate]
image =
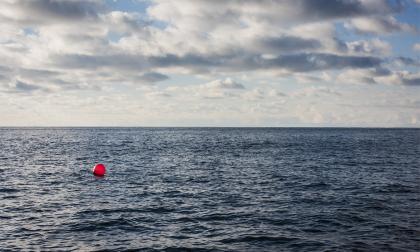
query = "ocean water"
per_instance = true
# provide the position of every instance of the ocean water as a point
(210, 189)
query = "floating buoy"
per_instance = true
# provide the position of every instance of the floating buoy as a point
(99, 170)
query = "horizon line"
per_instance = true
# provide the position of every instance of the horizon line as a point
(326, 127)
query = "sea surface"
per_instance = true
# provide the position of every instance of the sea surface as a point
(210, 189)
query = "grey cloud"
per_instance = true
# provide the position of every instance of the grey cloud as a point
(317, 61)
(37, 73)
(71, 10)
(379, 25)
(381, 71)
(408, 61)
(227, 83)
(278, 10)
(153, 77)
(231, 85)
(124, 22)
(301, 62)
(276, 93)
(340, 45)
(380, 75)
(289, 43)
(118, 60)
(83, 61)
(189, 60)
(411, 81)
(23, 87)
(72, 85)
(333, 8)
(4, 69)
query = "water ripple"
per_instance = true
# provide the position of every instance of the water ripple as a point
(210, 189)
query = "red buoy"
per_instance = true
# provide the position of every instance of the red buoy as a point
(99, 170)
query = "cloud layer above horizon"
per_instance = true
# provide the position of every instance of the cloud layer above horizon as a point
(210, 63)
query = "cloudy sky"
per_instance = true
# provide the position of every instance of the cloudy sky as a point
(210, 63)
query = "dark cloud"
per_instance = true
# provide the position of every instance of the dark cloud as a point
(333, 8)
(188, 60)
(289, 43)
(72, 10)
(411, 81)
(318, 61)
(381, 71)
(301, 62)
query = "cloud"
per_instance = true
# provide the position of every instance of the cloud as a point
(369, 47)
(254, 95)
(37, 73)
(223, 37)
(204, 14)
(307, 62)
(23, 87)
(300, 62)
(227, 83)
(216, 89)
(46, 11)
(73, 49)
(306, 78)
(407, 61)
(379, 25)
(157, 94)
(153, 77)
(313, 91)
(339, 9)
(379, 76)
(288, 43)
(405, 78)
(116, 61)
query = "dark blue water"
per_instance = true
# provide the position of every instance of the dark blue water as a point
(218, 189)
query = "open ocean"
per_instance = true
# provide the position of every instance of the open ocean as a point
(210, 189)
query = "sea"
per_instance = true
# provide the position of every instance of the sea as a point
(210, 189)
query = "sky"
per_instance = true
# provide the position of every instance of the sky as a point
(348, 63)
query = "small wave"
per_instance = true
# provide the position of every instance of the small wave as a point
(317, 185)
(260, 238)
(100, 225)
(167, 249)
(220, 217)
(9, 190)
(396, 188)
(158, 210)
